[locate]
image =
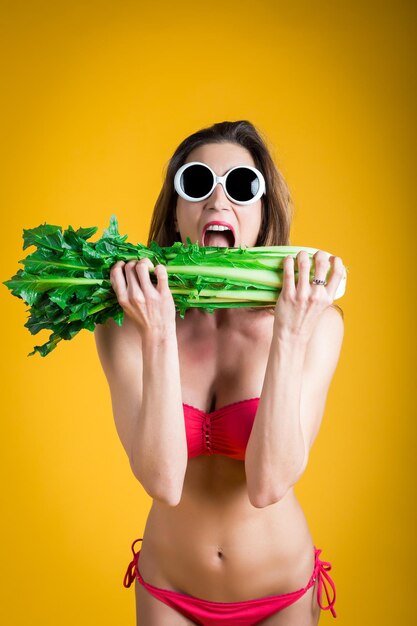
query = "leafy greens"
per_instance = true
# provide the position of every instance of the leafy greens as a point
(66, 281)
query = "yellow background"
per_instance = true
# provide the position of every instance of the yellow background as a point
(95, 98)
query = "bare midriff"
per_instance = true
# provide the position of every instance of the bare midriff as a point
(215, 544)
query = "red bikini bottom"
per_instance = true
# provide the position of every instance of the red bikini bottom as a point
(246, 613)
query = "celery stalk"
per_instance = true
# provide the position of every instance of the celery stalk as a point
(66, 280)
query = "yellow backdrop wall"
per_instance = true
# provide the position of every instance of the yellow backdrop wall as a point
(96, 96)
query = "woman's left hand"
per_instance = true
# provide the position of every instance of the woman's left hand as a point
(299, 306)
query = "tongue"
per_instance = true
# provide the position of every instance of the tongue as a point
(219, 239)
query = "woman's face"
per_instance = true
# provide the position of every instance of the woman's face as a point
(244, 220)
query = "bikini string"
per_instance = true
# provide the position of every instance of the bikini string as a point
(130, 572)
(322, 568)
(323, 576)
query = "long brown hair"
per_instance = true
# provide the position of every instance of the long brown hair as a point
(277, 205)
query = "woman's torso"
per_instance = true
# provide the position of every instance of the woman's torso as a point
(215, 544)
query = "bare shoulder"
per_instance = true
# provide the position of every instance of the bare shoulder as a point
(120, 352)
(324, 346)
(328, 333)
(119, 347)
(337, 309)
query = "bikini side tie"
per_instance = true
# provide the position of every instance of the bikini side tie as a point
(130, 572)
(321, 574)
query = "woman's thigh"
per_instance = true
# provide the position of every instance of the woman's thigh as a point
(152, 612)
(305, 611)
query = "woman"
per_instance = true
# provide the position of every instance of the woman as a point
(217, 412)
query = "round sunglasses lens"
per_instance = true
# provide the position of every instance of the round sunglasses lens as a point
(242, 184)
(197, 181)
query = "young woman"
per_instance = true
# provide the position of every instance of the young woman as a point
(218, 411)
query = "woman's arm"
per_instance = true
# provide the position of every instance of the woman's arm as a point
(291, 409)
(142, 370)
(276, 447)
(159, 452)
(303, 356)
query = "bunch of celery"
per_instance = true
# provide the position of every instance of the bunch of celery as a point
(66, 281)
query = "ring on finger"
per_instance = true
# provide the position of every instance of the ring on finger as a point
(318, 281)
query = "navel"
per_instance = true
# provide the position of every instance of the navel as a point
(220, 553)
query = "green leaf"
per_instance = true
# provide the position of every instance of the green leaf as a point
(45, 235)
(66, 281)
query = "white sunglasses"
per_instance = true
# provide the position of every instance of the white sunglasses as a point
(242, 184)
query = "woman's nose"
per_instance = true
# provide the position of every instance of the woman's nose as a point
(218, 196)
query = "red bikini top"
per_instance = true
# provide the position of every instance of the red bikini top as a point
(224, 431)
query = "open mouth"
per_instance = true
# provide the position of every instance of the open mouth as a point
(219, 238)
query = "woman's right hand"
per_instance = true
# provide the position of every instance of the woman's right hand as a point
(151, 308)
